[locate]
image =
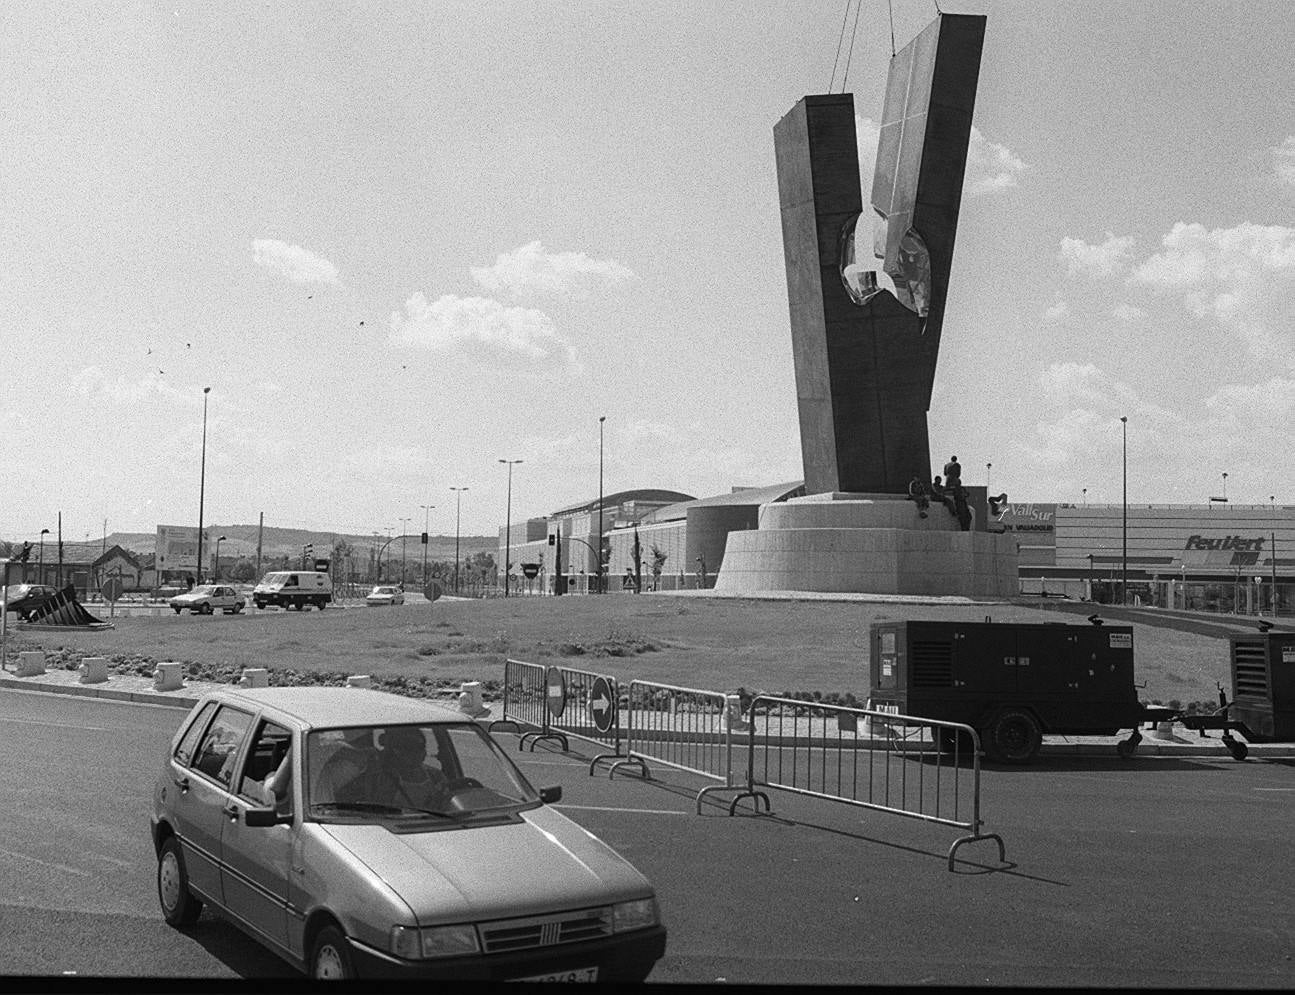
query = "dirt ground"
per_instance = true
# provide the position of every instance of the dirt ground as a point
(698, 642)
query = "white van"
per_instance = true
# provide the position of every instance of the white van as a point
(294, 589)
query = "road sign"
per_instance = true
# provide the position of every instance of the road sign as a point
(530, 570)
(111, 589)
(602, 704)
(556, 697)
(433, 590)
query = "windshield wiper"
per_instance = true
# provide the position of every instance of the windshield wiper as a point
(356, 807)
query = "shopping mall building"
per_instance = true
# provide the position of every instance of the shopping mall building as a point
(1214, 557)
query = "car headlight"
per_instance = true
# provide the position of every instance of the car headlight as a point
(634, 915)
(434, 941)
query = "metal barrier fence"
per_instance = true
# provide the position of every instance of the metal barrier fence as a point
(919, 768)
(556, 703)
(683, 728)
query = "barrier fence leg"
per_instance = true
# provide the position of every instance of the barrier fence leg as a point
(976, 838)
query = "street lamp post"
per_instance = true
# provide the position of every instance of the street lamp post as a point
(41, 567)
(508, 524)
(988, 467)
(458, 508)
(202, 480)
(601, 588)
(1124, 559)
(219, 540)
(427, 514)
(404, 528)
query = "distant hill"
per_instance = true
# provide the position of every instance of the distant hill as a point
(241, 540)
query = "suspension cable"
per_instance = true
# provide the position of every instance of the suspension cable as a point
(839, 41)
(850, 53)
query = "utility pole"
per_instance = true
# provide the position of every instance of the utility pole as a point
(260, 534)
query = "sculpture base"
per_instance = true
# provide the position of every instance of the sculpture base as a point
(866, 543)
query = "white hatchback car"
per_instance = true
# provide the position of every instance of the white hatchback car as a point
(385, 594)
(207, 598)
(358, 833)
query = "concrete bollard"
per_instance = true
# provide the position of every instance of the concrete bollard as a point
(470, 700)
(254, 677)
(31, 663)
(359, 681)
(167, 677)
(733, 716)
(1163, 730)
(94, 669)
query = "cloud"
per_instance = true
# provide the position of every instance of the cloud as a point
(1284, 164)
(297, 264)
(1128, 313)
(92, 382)
(1057, 312)
(1244, 277)
(990, 166)
(530, 271)
(1102, 259)
(481, 329)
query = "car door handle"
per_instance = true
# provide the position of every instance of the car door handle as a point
(181, 782)
(232, 811)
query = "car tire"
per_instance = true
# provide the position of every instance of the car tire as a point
(1013, 737)
(177, 611)
(238, 607)
(179, 907)
(207, 608)
(330, 956)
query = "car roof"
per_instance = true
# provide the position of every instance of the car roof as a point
(323, 707)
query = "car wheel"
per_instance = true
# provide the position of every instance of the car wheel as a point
(330, 956)
(238, 607)
(179, 907)
(1013, 737)
(207, 608)
(177, 611)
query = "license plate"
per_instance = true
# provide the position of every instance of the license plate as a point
(577, 974)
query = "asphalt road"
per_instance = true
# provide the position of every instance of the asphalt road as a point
(1150, 873)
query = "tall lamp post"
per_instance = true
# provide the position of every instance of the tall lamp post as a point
(404, 528)
(1225, 487)
(202, 480)
(41, 567)
(427, 515)
(458, 508)
(1124, 558)
(601, 587)
(988, 467)
(508, 524)
(219, 540)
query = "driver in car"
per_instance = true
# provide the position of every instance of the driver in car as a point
(403, 779)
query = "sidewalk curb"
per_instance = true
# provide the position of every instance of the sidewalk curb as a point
(173, 699)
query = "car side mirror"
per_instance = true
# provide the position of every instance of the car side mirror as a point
(264, 817)
(550, 796)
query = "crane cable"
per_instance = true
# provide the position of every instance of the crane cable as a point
(839, 41)
(850, 52)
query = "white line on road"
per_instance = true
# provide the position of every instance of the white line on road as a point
(57, 725)
(46, 863)
(636, 811)
(1275, 789)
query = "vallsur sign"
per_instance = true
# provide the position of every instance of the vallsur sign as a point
(602, 704)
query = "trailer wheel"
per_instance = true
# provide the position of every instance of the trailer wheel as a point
(1238, 749)
(1013, 737)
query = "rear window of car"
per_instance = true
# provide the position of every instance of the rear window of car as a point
(184, 750)
(219, 746)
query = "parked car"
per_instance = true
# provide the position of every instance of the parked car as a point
(357, 833)
(207, 598)
(384, 594)
(23, 598)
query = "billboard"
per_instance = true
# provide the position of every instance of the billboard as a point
(177, 547)
(1038, 520)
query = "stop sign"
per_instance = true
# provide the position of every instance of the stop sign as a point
(555, 692)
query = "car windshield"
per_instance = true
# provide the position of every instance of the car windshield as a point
(204, 590)
(384, 590)
(440, 771)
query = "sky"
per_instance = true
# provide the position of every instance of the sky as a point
(403, 241)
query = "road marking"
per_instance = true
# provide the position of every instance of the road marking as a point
(1275, 789)
(636, 811)
(58, 725)
(46, 863)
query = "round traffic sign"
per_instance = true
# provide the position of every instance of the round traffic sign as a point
(111, 589)
(433, 590)
(556, 692)
(602, 704)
